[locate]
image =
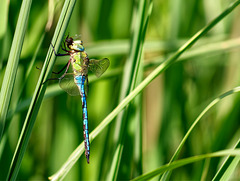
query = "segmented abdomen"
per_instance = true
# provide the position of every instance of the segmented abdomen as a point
(79, 80)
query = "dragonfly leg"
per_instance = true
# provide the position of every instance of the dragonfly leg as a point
(65, 48)
(55, 72)
(47, 79)
(38, 68)
(50, 79)
(59, 54)
(66, 66)
(61, 69)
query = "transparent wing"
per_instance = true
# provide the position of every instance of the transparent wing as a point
(98, 67)
(68, 85)
(76, 37)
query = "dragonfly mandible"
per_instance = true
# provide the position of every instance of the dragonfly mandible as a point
(74, 83)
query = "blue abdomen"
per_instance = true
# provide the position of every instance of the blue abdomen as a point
(80, 80)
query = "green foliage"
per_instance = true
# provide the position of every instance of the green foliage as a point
(167, 108)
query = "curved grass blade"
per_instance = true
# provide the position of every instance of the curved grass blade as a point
(182, 162)
(214, 102)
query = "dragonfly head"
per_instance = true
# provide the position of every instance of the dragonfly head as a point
(76, 45)
(69, 41)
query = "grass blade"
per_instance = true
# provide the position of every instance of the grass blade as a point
(129, 78)
(180, 163)
(225, 172)
(213, 103)
(3, 29)
(39, 91)
(12, 65)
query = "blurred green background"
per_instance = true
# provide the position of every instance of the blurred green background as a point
(168, 106)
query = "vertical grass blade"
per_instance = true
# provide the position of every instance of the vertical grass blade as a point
(20, 93)
(131, 72)
(40, 90)
(3, 28)
(12, 64)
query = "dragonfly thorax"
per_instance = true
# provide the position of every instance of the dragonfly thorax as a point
(80, 63)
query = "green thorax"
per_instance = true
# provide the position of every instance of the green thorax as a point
(80, 63)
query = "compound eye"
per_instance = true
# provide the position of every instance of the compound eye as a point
(80, 42)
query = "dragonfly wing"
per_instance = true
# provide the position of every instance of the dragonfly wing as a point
(98, 67)
(68, 85)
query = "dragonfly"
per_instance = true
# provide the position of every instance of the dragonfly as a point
(76, 83)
